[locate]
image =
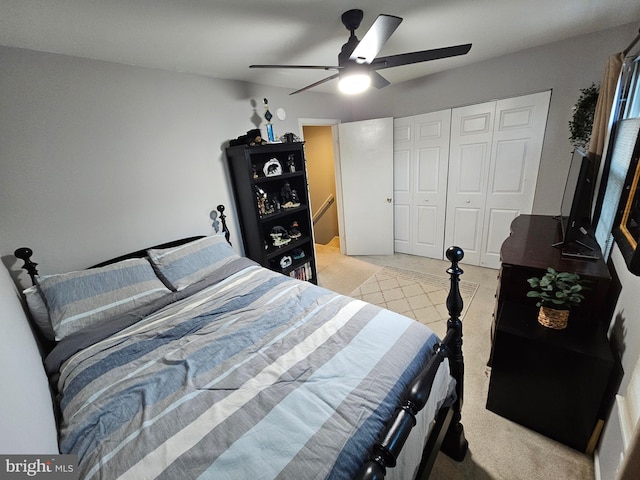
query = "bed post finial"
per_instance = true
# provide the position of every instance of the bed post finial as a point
(24, 254)
(455, 444)
(223, 219)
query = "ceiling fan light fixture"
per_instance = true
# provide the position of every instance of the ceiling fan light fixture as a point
(354, 82)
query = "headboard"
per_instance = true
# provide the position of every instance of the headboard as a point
(27, 419)
(25, 253)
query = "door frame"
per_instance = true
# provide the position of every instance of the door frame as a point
(333, 123)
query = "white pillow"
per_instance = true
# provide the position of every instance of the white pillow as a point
(39, 312)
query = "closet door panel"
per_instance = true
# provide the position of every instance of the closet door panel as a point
(469, 160)
(430, 194)
(515, 159)
(402, 195)
(421, 154)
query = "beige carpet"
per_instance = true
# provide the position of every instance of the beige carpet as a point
(421, 296)
(498, 448)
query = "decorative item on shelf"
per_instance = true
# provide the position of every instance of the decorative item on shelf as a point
(252, 138)
(285, 261)
(274, 204)
(294, 231)
(272, 168)
(268, 117)
(297, 253)
(556, 292)
(582, 121)
(261, 199)
(289, 138)
(279, 236)
(289, 196)
(255, 172)
(291, 163)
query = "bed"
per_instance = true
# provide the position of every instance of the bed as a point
(186, 360)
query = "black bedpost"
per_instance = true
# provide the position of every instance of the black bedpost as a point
(223, 219)
(455, 444)
(24, 254)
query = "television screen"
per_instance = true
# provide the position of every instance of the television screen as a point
(570, 190)
(575, 210)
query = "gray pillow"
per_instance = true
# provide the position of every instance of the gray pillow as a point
(186, 264)
(80, 299)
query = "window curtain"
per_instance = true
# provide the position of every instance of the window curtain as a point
(602, 114)
(603, 120)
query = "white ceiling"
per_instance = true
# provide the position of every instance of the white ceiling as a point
(221, 38)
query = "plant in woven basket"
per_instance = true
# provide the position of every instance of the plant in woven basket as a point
(556, 292)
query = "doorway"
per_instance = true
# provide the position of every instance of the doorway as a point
(319, 153)
(362, 187)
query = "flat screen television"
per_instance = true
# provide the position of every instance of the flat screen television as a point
(575, 210)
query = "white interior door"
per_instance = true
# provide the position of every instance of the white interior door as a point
(421, 156)
(366, 173)
(519, 129)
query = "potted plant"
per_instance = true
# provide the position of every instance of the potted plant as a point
(556, 292)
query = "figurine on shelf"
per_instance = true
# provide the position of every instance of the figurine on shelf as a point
(279, 236)
(268, 117)
(289, 196)
(261, 197)
(255, 173)
(294, 231)
(272, 168)
(274, 203)
(291, 164)
(285, 261)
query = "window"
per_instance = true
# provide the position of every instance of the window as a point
(624, 151)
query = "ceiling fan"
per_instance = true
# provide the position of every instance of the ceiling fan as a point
(357, 59)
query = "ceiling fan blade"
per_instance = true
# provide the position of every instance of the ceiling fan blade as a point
(313, 67)
(331, 77)
(422, 56)
(375, 38)
(378, 80)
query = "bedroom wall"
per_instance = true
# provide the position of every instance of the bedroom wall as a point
(98, 158)
(564, 67)
(90, 146)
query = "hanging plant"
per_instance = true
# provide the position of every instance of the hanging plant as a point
(582, 121)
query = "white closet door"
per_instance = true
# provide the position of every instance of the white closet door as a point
(469, 159)
(519, 129)
(421, 155)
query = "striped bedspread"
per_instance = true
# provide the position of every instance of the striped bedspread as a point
(255, 377)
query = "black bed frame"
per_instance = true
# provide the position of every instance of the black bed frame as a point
(446, 434)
